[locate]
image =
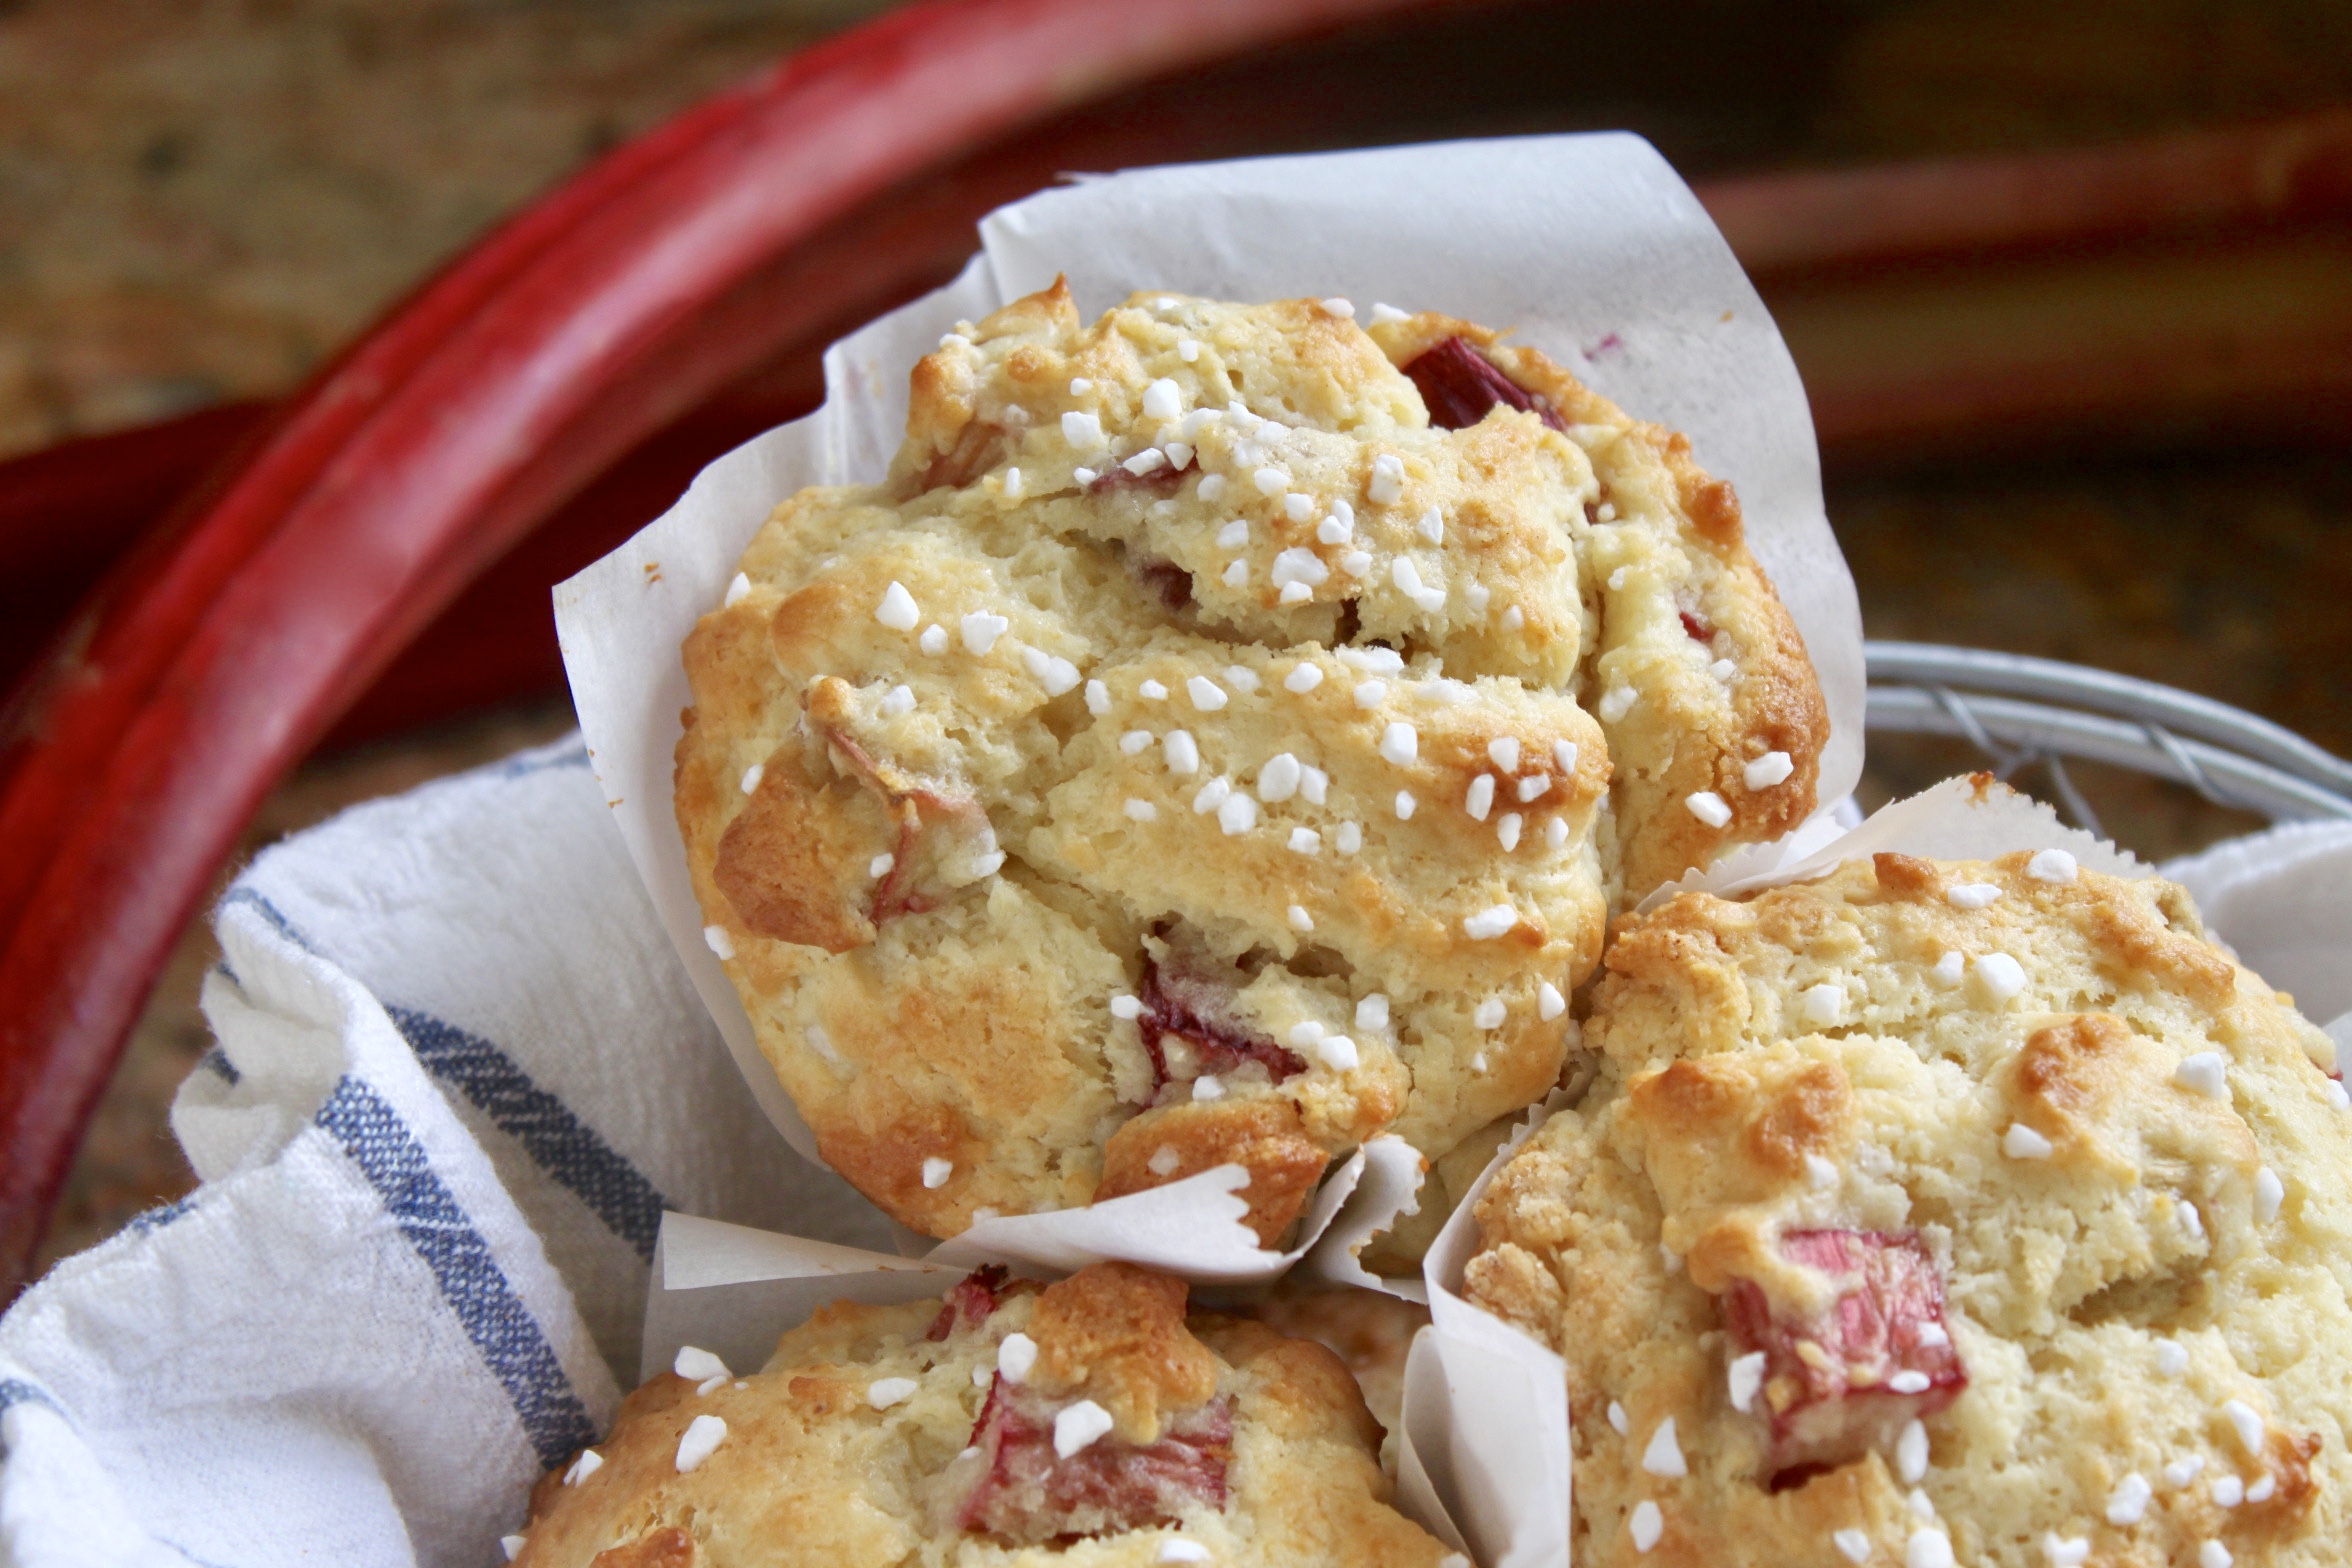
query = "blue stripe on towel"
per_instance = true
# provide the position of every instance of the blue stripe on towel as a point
(510, 1340)
(568, 1149)
(574, 1155)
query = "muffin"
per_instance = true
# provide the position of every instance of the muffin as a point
(1221, 739)
(1087, 1422)
(1930, 1213)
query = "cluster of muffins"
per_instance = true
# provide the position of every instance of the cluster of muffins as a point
(1233, 733)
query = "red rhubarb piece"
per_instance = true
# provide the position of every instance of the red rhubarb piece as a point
(1198, 1008)
(1459, 385)
(933, 822)
(1028, 1493)
(971, 1301)
(1844, 1382)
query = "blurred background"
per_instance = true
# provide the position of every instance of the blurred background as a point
(2126, 450)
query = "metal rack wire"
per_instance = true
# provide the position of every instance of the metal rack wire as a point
(2022, 711)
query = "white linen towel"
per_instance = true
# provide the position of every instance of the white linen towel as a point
(459, 1077)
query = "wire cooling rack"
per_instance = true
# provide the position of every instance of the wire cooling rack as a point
(2021, 711)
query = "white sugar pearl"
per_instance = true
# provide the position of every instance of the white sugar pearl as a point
(1708, 807)
(1298, 508)
(1164, 1161)
(1135, 742)
(896, 701)
(934, 639)
(1911, 1452)
(2052, 865)
(1928, 1549)
(1237, 814)
(1400, 743)
(699, 1441)
(696, 1365)
(1300, 920)
(1387, 485)
(1533, 785)
(884, 1392)
(1083, 431)
(1507, 830)
(1372, 1012)
(981, 631)
(1616, 703)
(1234, 535)
(2205, 1073)
(2172, 1357)
(512, 1545)
(1663, 1456)
(1271, 480)
(1852, 1545)
(2247, 1423)
(1338, 1052)
(2269, 1193)
(1404, 806)
(936, 1172)
(1078, 1426)
(1947, 970)
(1125, 1006)
(1163, 400)
(738, 587)
(1236, 574)
(1490, 923)
(897, 609)
(586, 1465)
(2212, 1554)
(1181, 752)
(1646, 1526)
(1314, 785)
(1371, 694)
(1015, 1356)
(1306, 841)
(2129, 1501)
(1174, 1551)
(1490, 1013)
(1337, 307)
(752, 776)
(2021, 1142)
(1303, 678)
(2066, 1552)
(1774, 767)
(1207, 696)
(1823, 1006)
(1212, 488)
(1480, 798)
(718, 941)
(1745, 1376)
(2001, 976)
(1971, 895)
(1549, 1003)
(1278, 779)
(1564, 755)
(880, 865)
(1387, 313)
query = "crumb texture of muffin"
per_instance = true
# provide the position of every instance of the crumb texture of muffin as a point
(1224, 736)
(1085, 1422)
(1942, 1212)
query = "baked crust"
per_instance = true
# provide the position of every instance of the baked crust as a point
(1097, 820)
(816, 1467)
(2030, 1161)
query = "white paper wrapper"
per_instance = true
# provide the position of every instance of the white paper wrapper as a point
(1590, 246)
(731, 1290)
(1485, 1440)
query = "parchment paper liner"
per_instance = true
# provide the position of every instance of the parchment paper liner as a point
(1591, 247)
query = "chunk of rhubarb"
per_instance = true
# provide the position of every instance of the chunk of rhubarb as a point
(971, 1301)
(1459, 385)
(935, 823)
(1198, 1008)
(1845, 1381)
(1028, 1493)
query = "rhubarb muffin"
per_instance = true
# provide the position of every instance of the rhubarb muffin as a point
(1089, 1422)
(1221, 739)
(1929, 1213)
